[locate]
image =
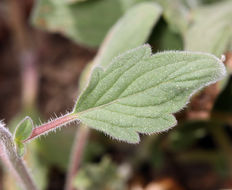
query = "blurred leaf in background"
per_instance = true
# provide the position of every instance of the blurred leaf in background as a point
(131, 31)
(55, 149)
(163, 38)
(210, 29)
(101, 176)
(176, 14)
(186, 136)
(84, 22)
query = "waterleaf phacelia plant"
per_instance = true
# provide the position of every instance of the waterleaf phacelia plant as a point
(137, 93)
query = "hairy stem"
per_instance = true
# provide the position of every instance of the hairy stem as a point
(77, 154)
(51, 125)
(10, 157)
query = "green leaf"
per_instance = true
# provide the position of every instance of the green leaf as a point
(138, 92)
(86, 22)
(211, 30)
(23, 130)
(131, 30)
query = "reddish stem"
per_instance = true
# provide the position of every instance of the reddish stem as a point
(44, 128)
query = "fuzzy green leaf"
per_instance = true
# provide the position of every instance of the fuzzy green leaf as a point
(23, 130)
(139, 92)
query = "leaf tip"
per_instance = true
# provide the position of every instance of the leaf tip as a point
(221, 67)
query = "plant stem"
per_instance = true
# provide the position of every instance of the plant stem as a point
(11, 158)
(52, 125)
(77, 154)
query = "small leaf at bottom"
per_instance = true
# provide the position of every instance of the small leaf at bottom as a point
(24, 129)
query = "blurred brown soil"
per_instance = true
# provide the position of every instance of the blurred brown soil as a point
(60, 67)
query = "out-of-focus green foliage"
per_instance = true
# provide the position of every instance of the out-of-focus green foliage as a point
(37, 166)
(163, 38)
(84, 22)
(71, 1)
(176, 14)
(102, 176)
(55, 149)
(186, 135)
(130, 31)
(211, 29)
(209, 1)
